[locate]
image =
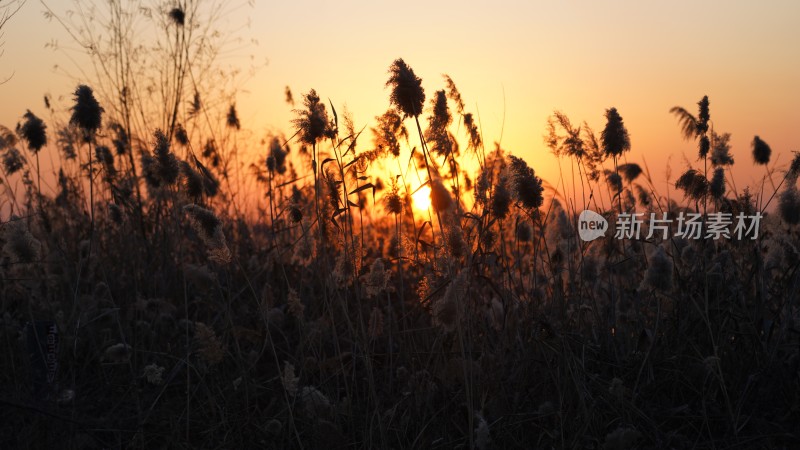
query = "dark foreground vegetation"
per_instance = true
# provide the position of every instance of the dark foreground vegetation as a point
(326, 310)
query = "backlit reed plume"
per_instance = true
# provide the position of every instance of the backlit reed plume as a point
(276, 159)
(121, 140)
(693, 184)
(643, 196)
(721, 153)
(192, 181)
(407, 92)
(167, 165)
(104, 157)
(659, 271)
(177, 16)
(695, 127)
(209, 228)
(388, 133)
(526, 187)
(717, 186)
(614, 181)
(86, 113)
(629, 171)
(20, 245)
(393, 202)
(33, 131)
(13, 161)
(789, 205)
(150, 171)
(794, 166)
(614, 138)
(312, 122)
(437, 134)
(181, 136)
(233, 118)
(377, 279)
(501, 197)
(210, 182)
(288, 96)
(761, 151)
(474, 134)
(66, 139)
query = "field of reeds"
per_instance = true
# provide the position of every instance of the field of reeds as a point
(328, 310)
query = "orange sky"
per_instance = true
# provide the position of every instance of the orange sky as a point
(514, 63)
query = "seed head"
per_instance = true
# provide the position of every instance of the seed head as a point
(233, 118)
(181, 136)
(167, 164)
(86, 113)
(525, 185)
(659, 271)
(721, 153)
(794, 167)
(789, 205)
(761, 151)
(629, 171)
(312, 122)
(389, 132)
(33, 131)
(192, 180)
(615, 139)
(437, 133)
(104, 157)
(693, 184)
(20, 245)
(614, 181)
(276, 161)
(501, 198)
(407, 92)
(393, 203)
(704, 146)
(13, 161)
(474, 133)
(178, 16)
(377, 279)
(717, 186)
(209, 228)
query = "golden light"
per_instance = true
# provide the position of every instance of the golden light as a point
(421, 200)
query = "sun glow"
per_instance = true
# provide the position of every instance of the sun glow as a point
(421, 199)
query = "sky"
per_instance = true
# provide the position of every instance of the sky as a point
(515, 62)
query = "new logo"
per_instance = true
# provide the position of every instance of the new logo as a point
(591, 225)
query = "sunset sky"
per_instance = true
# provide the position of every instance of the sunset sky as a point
(514, 63)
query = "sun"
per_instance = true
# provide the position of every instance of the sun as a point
(421, 200)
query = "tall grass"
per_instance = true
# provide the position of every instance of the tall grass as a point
(340, 315)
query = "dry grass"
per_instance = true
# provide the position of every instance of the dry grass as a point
(334, 315)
